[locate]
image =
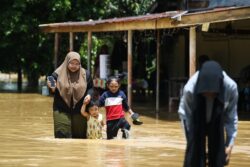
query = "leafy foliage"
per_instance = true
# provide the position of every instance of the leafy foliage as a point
(23, 46)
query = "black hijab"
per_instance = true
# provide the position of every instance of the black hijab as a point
(210, 79)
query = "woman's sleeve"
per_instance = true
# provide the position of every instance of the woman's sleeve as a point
(186, 102)
(231, 116)
(185, 109)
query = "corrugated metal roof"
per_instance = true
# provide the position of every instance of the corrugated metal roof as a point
(122, 19)
(151, 21)
(224, 3)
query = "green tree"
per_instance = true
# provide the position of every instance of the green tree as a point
(25, 49)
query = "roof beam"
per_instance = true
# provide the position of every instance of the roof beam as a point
(140, 23)
(216, 16)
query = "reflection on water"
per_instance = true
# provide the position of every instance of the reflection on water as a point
(26, 139)
(8, 83)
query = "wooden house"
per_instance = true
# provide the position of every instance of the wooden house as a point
(219, 29)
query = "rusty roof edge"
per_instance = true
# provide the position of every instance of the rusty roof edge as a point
(113, 20)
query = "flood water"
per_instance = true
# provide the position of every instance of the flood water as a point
(26, 139)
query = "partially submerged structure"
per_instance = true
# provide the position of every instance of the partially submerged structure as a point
(220, 29)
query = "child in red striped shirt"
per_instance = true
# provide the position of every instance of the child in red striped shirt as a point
(115, 102)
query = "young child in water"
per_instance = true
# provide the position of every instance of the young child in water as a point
(95, 121)
(115, 102)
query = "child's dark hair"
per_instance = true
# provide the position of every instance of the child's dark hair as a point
(91, 104)
(113, 78)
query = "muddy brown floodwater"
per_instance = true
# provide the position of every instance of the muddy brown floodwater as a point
(26, 139)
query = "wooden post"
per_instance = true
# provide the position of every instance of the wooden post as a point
(89, 50)
(157, 70)
(129, 88)
(192, 51)
(71, 41)
(56, 44)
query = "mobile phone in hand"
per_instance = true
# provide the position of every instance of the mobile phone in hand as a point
(52, 81)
